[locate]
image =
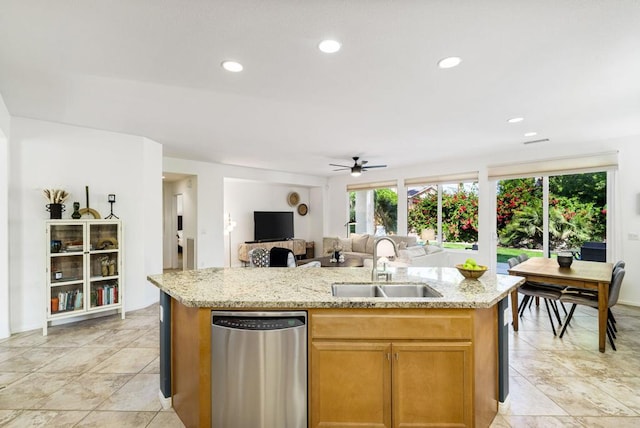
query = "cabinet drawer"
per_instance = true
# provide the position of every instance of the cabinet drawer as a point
(392, 324)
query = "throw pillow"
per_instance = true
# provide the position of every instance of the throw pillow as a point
(260, 257)
(359, 243)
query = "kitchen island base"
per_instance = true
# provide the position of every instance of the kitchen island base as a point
(367, 367)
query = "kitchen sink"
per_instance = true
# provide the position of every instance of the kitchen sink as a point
(409, 290)
(388, 290)
(356, 290)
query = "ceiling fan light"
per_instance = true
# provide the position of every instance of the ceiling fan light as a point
(355, 173)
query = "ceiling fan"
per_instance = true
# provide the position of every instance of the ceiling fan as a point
(357, 168)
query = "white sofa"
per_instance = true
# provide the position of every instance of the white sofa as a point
(409, 253)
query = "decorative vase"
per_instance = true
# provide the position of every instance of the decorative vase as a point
(76, 211)
(56, 245)
(565, 259)
(55, 211)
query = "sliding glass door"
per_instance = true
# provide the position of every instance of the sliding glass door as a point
(543, 215)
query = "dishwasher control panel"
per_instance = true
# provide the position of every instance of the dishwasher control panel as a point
(257, 323)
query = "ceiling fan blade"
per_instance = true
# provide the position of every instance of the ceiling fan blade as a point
(374, 166)
(364, 162)
(341, 166)
(343, 169)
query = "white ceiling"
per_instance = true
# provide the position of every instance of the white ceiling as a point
(571, 68)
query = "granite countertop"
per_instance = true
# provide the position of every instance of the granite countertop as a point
(280, 288)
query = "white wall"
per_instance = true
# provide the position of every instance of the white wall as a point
(211, 243)
(49, 155)
(151, 193)
(626, 211)
(5, 121)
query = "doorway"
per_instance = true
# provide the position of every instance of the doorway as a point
(178, 252)
(179, 221)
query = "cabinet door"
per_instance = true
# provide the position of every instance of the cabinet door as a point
(104, 264)
(432, 384)
(66, 268)
(350, 384)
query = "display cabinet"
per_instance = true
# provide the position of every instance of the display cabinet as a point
(84, 271)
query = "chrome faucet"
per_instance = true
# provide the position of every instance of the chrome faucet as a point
(375, 275)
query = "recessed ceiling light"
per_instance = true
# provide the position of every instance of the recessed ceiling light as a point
(329, 46)
(530, 134)
(449, 62)
(232, 66)
(515, 119)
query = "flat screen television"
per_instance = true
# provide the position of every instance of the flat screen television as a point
(272, 225)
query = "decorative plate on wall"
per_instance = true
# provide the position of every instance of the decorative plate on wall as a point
(293, 198)
(303, 209)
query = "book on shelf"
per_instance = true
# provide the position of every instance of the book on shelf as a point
(69, 300)
(104, 295)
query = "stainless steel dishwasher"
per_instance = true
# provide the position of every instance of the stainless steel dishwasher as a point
(258, 369)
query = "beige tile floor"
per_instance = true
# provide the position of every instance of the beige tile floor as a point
(104, 373)
(97, 373)
(567, 382)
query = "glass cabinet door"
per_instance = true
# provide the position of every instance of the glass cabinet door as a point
(104, 264)
(66, 268)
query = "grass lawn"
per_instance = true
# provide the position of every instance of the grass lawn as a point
(504, 253)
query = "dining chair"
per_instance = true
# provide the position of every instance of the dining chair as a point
(619, 264)
(530, 291)
(590, 299)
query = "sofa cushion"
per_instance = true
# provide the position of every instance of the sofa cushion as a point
(416, 251)
(403, 241)
(346, 244)
(359, 243)
(430, 249)
(329, 244)
(371, 242)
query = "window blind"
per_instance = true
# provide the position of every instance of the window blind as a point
(555, 166)
(442, 179)
(371, 186)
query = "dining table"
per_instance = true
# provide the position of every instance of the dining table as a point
(581, 274)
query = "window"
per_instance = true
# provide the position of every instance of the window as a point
(567, 207)
(444, 209)
(373, 209)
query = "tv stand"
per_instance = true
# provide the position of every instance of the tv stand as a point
(298, 246)
(260, 241)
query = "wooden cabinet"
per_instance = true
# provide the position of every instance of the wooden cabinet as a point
(431, 384)
(407, 368)
(390, 384)
(350, 384)
(83, 268)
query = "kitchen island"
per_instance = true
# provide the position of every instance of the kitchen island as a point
(372, 361)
